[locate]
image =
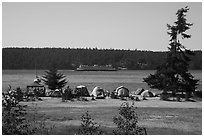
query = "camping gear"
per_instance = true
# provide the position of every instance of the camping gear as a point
(147, 93)
(98, 92)
(122, 91)
(81, 91)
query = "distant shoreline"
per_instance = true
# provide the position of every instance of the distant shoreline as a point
(117, 70)
(71, 59)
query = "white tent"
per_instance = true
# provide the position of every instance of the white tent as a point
(98, 92)
(55, 93)
(81, 91)
(138, 91)
(147, 93)
(122, 91)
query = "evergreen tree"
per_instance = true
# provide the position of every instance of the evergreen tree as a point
(173, 74)
(54, 79)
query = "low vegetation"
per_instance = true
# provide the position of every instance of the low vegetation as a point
(88, 127)
(127, 121)
(16, 120)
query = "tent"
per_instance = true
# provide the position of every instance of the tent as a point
(147, 93)
(81, 91)
(55, 93)
(98, 92)
(138, 91)
(122, 91)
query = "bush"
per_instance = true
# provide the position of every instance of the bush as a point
(88, 127)
(127, 121)
(15, 120)
(13, 115)
(19, 94)
(164, 96)
(67, 94)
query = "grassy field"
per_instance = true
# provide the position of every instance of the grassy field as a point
(159, 117)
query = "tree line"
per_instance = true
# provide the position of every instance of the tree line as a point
(70, 58)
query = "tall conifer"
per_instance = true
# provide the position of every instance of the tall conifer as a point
(54, 79)
(173, 74)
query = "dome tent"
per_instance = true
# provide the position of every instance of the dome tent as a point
(138, 91)
(81, 91)
(122, 91)
(98, 92)
(55, 93)
(147, 93)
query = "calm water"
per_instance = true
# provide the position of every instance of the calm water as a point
(108, 80)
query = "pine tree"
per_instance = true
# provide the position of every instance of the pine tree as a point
(173, 74)
(54, 79)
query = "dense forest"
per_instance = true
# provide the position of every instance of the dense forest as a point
(68, 58)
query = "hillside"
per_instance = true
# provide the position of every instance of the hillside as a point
(67, 58)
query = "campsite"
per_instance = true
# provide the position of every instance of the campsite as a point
(101, 68)
(159, 117)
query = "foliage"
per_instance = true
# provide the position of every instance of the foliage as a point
(88, 127)
(67, 94)
(173, 74)
(68, 58)
(127, 121)
(19, 94)
(13, 115)
(15, 119)
(54, 79)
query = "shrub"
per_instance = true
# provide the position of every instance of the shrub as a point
(16, 121)
(127, 121)
(13, 115)
(19, 94)
(88, 127)
(67, 94)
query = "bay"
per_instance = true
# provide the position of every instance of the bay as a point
(109, 80)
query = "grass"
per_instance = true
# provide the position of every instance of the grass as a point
(157, 120)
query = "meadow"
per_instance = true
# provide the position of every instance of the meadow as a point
(157, 116)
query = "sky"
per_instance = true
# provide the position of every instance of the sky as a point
(105, 25)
